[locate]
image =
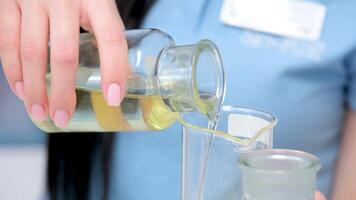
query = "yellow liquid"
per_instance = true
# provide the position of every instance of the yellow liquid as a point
(140, 110)
(136, 113)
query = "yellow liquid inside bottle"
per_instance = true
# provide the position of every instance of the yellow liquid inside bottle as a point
(135, 113)
(140, 111)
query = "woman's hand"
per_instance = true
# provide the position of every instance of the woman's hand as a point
(25, 27)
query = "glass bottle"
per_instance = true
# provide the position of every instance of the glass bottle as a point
(164, 81)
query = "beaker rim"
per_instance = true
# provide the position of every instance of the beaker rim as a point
(252, 111)
(305, 161)
(272, 119)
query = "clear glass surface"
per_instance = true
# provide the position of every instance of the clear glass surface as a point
(278, 174)
(210, 157)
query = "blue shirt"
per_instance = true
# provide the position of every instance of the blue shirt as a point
(308, 85)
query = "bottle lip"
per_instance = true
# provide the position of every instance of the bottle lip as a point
(303, 162)
(200, 47)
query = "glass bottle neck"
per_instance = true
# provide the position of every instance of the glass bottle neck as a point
(191, 77)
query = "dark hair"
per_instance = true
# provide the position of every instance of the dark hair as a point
(133, 11)
(73, 158)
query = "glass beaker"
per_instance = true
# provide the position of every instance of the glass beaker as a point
(164, 79)
(210, 157)
(278, 174)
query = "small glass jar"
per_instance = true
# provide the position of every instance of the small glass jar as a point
(278, 174)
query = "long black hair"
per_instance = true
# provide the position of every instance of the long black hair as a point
(73, 158)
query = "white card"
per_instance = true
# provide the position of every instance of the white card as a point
(245, 126)
(299, 19)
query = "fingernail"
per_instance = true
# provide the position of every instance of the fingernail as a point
(61, 118)
(38, 112)
(114, 94)
(19, 89)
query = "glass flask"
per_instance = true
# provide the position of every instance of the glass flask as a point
(210, 156)
(278, 174)
(164, 80)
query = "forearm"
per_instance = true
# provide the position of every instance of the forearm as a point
(345, 180)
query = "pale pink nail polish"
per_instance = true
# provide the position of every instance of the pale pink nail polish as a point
(61, 118)
(38, 112)
(19, 89)
(114, 94)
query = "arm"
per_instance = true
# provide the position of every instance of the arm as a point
(345, 180)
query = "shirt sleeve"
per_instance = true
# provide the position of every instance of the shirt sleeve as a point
(351, 87)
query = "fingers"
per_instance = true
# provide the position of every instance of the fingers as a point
(34, 37)
(10, 25)
(109, 32)
(84, 20)
(23, 51)
(64, 42)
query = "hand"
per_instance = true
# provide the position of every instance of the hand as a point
(319, 196)
(25, 27)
